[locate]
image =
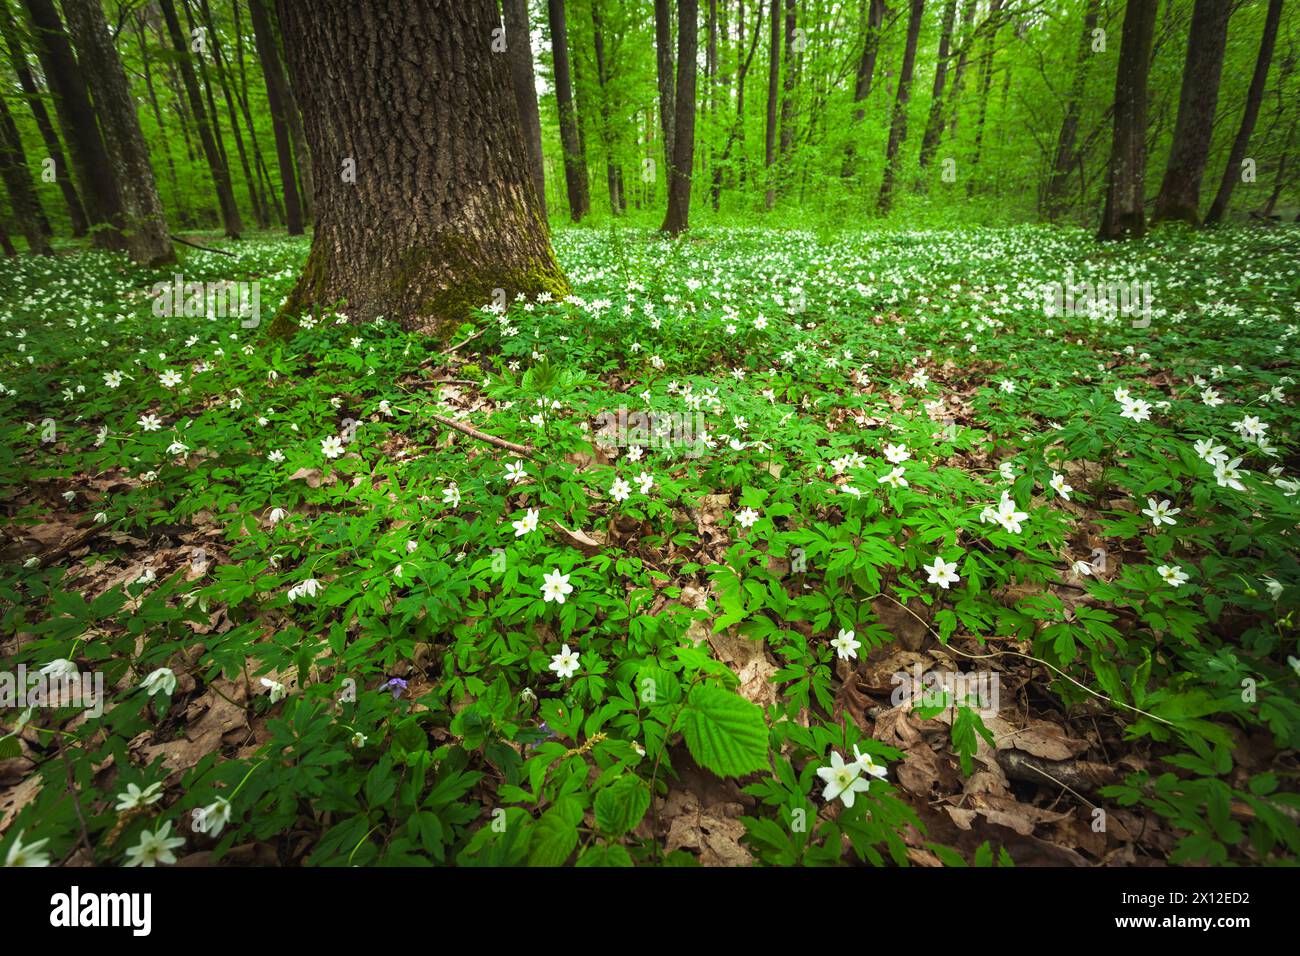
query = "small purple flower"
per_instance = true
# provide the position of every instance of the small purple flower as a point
(396, 685)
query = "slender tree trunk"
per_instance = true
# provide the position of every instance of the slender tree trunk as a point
(1254, 96)
(1180, 192)
(664, 71)
(211, 152)
(898, 125)
(787, 98)
(277, 97)
(575, 157)
(1124, 215)
(53, 148)
(862, 84)
(100, 196)
(441, 210)
(735, 137)
(986, 83)
(274, 208)
(147, 240)
(301, 154)
(959, 74)
(773, 82)
(679, 185)
(519, 49)
(934, 122)
(613, 174)
(6, 244)
(1064, 158)
(178, 196)
(17, 178)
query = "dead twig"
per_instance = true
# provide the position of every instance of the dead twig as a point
(526, 451)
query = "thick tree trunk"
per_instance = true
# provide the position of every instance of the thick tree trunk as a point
(773, 83)
(1064, 159)
(53, 148)
(17, 178)
(424, 201)
(100, 196)
(147, 240)
(898, 125)
(301, 155)
(1180, 193)
(664, 71)
(1123, 215)
(1254, 96)
(519, 50)
(862, 84)
(934, 122)
(575, 155)
(277, 97)
(207, 139)
(679, 184)
(6, 244)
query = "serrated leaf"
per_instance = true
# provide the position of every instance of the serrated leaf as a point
(621, 805)
(724, 732)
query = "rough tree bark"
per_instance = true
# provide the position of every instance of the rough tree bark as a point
(575, 158)
(100, 196)
(207, 140)
(1180, 192)
(146, 233)
(1254, 96)
(53, 148)
(441, 210)
(17, 178)
(277, 99)
(519, 51)
(898, 125)
(679, 184)
(1123, 215)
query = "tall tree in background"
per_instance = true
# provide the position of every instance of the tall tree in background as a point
(519, 51)
(736, 135)
(1254, 96)
(100, 196)
(898, 125)
(1124, 215)
(17, 178)
(575, 158)
(788, 81)
(53, 148)
(934, 122)
(277, 99)
(664, 71)
(1180, 192)
(1066, 157)
(986, 82)
(608, 138)
(230, 219)
(862, 84)
(679, 183)
(439, 209)
(773, 82)
(147, 241)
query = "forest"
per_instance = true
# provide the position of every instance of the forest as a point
(650, 433)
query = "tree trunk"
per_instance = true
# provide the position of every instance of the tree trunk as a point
(100, 196)
(178, 196)
(207, 140)
(147, 240)
(664, 74)
(736, 136)
(679, 184)
(862, 85)
(1064, 159)
(773, 82)
(53, 148)
(17, 178)
(6, 244)
(959, 74)
(274, 208)
(787, 98)
(519, 50)
(1123, 215)
(934, 122)
(276, 98)
(575, 158)
(898, 125)
(986, 83)
(441, 210)
(1254, 96)
(613, 173)
(1180, 193)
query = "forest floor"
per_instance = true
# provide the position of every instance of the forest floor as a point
(663, 595)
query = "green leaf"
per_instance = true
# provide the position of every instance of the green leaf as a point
(724, 732)
(554, 838)
(621, 805)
